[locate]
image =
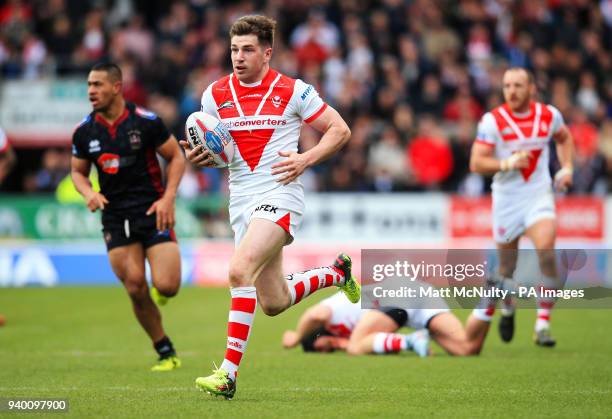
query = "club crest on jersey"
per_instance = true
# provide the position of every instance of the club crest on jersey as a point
(507, 131)
(135, 140)
(276, 101)
(94, 146)
(544, 127)
(226, 105)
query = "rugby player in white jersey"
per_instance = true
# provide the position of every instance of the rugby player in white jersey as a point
(264, 111)
(336, 324)
(512, 144)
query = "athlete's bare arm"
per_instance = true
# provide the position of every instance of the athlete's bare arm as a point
(314, 318)
(484, 162)
(7, 162)
(79, 172)
(336, 135)
(164, 207)
(565, 152)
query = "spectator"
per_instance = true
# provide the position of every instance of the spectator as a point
(430, 154)
(55, 166)
(387, 163)
(314, 39)
(7, 157)
(379, 63)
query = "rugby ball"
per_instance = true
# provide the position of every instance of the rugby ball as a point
(205, 129)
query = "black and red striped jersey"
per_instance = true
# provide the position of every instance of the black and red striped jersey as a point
(125, 156)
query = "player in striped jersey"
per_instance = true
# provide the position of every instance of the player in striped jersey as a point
(512, 144)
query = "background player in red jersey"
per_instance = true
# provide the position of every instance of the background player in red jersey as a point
(513, 144)
(264, 111)
(137, 211)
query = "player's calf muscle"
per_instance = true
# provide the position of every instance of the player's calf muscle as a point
(272, 308)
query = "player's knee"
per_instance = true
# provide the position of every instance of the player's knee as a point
(271, 309)
(547, 260)
(468, 350)
(238, 276)
(136, 289)
(168, 290)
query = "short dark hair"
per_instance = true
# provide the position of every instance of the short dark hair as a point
(261, 26)
(530, 78)
(113, 70)
(309, 340)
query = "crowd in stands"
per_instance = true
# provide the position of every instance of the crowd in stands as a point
(411, 77)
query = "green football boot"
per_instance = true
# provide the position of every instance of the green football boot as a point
(351, 287)
(167, 364)
(219, 384)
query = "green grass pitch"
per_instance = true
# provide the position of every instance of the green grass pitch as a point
(84, 344)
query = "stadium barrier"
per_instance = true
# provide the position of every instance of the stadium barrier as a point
(45, 243)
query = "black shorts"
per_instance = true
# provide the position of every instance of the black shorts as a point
(398, 315)
(121, 231)
(414, 318)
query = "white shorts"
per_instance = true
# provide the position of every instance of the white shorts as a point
(513, 214)
(283, 206)
(418, 318)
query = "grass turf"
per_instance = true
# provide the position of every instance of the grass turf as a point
(84, 344)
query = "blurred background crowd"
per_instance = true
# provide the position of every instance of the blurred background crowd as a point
(411, 77)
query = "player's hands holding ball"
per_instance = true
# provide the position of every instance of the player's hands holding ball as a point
(198, 156)
(209, 142)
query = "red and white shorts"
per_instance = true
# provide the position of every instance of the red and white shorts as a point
(283, 206)
(513, 214)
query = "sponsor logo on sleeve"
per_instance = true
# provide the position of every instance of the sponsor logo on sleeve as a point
(306, 92)
(94, 146)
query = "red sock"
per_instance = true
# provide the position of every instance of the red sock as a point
(302, 284)
(241, 315)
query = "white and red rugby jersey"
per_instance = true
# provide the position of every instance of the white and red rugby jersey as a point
(263, 118)
(509, 133)
(345, 315)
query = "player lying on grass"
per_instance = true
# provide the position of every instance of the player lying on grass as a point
(337, 324)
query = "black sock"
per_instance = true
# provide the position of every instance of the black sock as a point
(164, 348)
